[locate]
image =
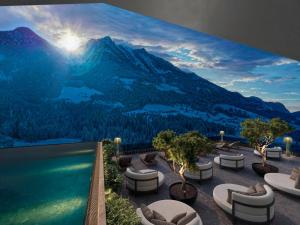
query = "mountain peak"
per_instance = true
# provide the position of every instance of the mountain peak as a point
(21, 36)
(102, 42)
(107, 39)
(24, 30)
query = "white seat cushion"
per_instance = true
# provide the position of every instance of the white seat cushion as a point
(230, 161)
(282, 182)
(169, 209)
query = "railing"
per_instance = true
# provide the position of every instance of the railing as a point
(95, 214)
(128, 149)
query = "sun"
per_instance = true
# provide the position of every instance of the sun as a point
(70, 42)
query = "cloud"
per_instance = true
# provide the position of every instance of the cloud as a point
(185, 48)
(231, 65)
(279, 79)
(292, 93)
(285, 61)
(244, 79)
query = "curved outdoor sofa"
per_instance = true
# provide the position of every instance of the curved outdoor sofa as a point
(143, 180)
(271, 153)
(204, 171)
(169, 209)
(257, 209)
(282, 182)
(230, 161)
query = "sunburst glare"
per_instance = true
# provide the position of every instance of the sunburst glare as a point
(70, 42)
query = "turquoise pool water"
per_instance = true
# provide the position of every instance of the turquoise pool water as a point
(45, 191)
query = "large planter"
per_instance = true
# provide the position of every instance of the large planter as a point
(189, 197)
(262, 170)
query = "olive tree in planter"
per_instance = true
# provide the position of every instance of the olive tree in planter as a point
(260, 135)
(183, 150)
(164, 142)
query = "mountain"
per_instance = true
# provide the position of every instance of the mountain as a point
(111, 90)
(110, 67)
(30, 67)
(296, 114)
(21, 37)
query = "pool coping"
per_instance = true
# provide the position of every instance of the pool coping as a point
(95, 214)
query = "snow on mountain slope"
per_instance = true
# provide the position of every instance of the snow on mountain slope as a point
(77, 95)
(111, 105)
(233, 110)
(167, 87)
(185, 110)
(127, 82)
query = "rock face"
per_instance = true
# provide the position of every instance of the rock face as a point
(111, 79)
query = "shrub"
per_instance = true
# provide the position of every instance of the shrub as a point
(112, 178)
(109, 152)
(106, 141)
(119, 211)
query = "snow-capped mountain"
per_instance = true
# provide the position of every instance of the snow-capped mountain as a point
(108, 90)
(123, 71)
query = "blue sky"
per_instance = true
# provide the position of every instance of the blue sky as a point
(233, 66)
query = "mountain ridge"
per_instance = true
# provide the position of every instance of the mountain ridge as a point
(115, 86)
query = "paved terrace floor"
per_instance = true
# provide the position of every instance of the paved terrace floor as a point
(287, 208)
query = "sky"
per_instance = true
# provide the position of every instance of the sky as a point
(236, 67)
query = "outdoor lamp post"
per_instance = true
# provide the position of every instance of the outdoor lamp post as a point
(288, 142)
(222, 132)
(118, 141)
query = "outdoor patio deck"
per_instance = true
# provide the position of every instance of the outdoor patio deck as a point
(286, 206)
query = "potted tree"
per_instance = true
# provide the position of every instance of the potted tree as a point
(184, 150)
(163, 143)
(260, 135)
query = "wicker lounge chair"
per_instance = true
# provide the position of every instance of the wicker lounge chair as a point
(143, 180)
(228, 146)
(271, 153)
(257, 209)
(282, 182)
(230, 161)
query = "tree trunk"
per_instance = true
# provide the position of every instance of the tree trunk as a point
(263, 154)
(174, 166)
(264, 160)
(181, 173)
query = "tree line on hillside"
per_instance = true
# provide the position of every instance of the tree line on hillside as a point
(91, 122)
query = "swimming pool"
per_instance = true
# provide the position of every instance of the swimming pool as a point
(46, 190)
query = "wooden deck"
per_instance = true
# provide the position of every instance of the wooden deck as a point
(286, 207)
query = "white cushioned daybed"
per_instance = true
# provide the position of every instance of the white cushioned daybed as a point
(204, 171)
(169, 209)
(230, 161)
(271, 153)
(257, 209)
(143, 180)
(282, 182)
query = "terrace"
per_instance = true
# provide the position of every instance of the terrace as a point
(286, 206)
(68, 159)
